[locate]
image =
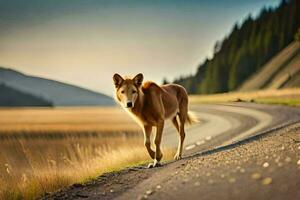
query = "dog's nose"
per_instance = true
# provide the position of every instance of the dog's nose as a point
(129, 104)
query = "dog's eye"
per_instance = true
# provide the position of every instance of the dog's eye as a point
(122, 91)
(133, 91)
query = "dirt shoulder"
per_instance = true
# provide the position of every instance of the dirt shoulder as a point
(265, 167)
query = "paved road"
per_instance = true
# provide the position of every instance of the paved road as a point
(227, 123)
(220, 125)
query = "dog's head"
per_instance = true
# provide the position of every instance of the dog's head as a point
(127, 90)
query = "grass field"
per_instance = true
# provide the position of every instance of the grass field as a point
(65, 120)
(285, 97)
(44, 149)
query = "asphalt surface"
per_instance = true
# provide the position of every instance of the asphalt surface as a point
(223, 124)
(222, 128)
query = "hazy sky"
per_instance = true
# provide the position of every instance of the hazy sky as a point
(84, 42)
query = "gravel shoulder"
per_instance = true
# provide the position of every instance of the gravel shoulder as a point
(267, 167)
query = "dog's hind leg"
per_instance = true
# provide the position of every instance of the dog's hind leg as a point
(147, 142)
(175, 123)
(182, 119)
(181, 140)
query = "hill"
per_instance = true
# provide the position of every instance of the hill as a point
(60, 94)
(12, 97)
(281, 71)
(246, 50)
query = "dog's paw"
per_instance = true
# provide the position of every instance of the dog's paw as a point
(150, 165)
(154, 164)
(177, 157)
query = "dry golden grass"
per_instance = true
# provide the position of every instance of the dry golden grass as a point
(44, 169)
(283, 96)
(32, 165)
(74, 119)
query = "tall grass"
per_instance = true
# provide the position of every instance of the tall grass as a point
(32, 168)
(37, 163)
(65, 120)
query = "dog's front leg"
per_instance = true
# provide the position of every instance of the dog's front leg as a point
(147, 142)
(157, 141)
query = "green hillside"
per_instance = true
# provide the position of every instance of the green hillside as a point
(246, 50)
(12, 97)
(281, 71)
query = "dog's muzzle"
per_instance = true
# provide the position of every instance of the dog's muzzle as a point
(129, 104)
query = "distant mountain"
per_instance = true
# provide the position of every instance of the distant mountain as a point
(12, 97)
(246, 50)
(60, 94)
(283, 70)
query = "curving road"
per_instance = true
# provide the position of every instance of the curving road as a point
(222, 124)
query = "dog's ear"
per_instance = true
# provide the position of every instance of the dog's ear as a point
(117, 80)
(138, 79)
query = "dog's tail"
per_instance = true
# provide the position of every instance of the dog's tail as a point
(192, 118)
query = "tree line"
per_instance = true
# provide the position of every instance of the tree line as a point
(245, 50)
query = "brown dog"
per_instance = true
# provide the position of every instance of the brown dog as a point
(150, 105)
